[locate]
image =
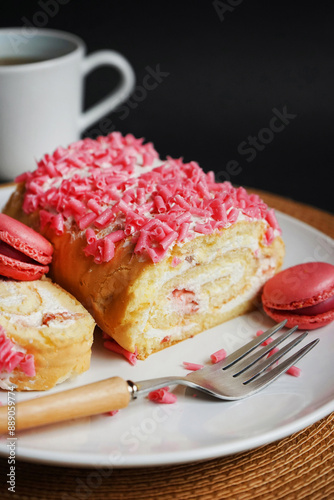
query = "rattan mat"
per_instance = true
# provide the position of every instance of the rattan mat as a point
(298, 467)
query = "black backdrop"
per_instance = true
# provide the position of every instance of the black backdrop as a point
(246, 87)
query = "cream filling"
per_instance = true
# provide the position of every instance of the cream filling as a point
(50, 305)
(256, 282)
(241, 241)
(174, 332)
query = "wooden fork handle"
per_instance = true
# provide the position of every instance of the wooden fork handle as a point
(99, 397)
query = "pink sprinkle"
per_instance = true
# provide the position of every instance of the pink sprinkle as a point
(218, 356)
(269, 236)
(108, 249)
(192, 366)
(113, 346)
(112, 412)
(142, 242)
(266, 342)
(183, 231)
(203, 228)
(86, 220)
(273, 351)
(156, 254)
(103, 219)
(176, 261)
(58, 224)
(168, 240)
(232, 215)
(94, 206)
(160, 204)
(77, 206)
(162, 396)
(271, 218)
(27, 365)
(164, 192)
(90, 236)
(44, 217)
(11, 359)
(115, 236)
(294, 371)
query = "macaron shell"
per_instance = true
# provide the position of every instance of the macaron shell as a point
(303, 285)
(25, 239)
(18, 270)
(303, 322)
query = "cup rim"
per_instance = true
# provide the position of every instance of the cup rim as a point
(47, 32)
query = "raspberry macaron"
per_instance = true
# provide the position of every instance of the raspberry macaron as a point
(302, 294)
(24, 254)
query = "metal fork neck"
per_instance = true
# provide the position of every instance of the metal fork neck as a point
(145, 386)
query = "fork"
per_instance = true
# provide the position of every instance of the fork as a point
(239, 375)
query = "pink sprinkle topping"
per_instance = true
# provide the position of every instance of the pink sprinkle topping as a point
(162, 396)
(268, 341)
(273, 351)
(10, 358)
(113, 346)
(294, 371)
(117, 184)
(265, 342)
(112, 412)
(192, 366)
(176, 261)
(218, 356)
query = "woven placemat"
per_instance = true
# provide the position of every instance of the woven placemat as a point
(298, 467)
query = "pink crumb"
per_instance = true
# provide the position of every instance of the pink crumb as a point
(176, 261)
(266, 342)
(218, 356)
(112, 412)
(162, 396)
(165, 339)
(112, 345)
(294, 371)
(273, 351)
(192, 366)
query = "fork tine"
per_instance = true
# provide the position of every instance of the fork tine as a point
(267, 378)
(249, 375)
(250, 360)
(247, 348)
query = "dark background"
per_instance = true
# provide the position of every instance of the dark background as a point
(230, 65)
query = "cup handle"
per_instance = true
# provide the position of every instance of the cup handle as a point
(117, 96)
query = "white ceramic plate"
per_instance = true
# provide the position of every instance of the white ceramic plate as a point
(196, 427)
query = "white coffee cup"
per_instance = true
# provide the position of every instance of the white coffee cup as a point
(41, 94)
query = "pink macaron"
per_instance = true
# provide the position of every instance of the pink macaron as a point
(24, 254)
(302, 294)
